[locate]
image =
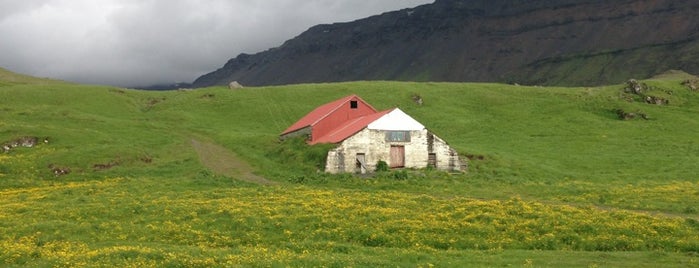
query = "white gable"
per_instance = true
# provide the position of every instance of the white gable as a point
(396, 120)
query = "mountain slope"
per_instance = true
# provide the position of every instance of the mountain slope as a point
(581, 42)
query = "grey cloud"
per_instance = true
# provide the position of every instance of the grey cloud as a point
(14, 7)
(136, 42)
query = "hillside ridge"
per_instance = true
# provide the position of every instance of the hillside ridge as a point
(572, 42)
(8, 77)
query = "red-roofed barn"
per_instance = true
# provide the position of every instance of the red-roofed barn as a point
(327, 117)
(364, 137)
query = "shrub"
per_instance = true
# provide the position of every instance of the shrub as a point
(381, 166)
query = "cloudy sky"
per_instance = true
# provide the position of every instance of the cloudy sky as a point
(145, 42)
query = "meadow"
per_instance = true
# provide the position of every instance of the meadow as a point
(555, 179)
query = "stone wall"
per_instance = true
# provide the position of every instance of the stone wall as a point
(374, 147)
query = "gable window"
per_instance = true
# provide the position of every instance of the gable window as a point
(398, 136)
(353, 104)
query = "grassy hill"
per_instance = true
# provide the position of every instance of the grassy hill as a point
(556, 179)
(8, 78)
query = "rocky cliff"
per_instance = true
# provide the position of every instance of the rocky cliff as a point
(551, 42)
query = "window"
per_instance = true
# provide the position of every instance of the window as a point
(353, 104)
(398, 136)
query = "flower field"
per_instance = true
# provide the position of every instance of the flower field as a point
(676, 195)
(124, 222)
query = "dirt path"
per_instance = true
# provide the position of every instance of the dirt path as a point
(222, 161)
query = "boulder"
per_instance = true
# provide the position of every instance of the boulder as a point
(234, 85)
(635, 87)
(692, 84)
(657, 100)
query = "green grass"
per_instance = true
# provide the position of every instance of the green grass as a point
(555, 180)
(607, 67)
(8, 78)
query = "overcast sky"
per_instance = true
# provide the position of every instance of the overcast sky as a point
(145, 42)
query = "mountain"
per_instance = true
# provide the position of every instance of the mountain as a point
(549, 42)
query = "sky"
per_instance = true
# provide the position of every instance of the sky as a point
(133, 43)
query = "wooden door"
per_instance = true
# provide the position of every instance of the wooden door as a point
(432, 160)
(397, 156)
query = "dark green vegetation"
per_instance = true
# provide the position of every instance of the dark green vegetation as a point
(584, 68)
(556, 179)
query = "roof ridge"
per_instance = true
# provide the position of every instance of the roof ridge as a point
(339, 105)
(323, 111)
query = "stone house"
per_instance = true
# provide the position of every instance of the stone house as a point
(365, 136)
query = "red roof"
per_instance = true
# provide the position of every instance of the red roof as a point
(329, 116)
(349, 128)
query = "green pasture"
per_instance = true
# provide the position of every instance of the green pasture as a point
(555, 179)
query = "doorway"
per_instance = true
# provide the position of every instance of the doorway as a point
(361, 164)
(432, 160)
(397, 156)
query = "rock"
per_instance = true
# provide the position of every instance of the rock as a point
(623, 115)
(635, 87)
(656, 100)
(417, 99)
(26, 141)
(234, 85)
(59, 171)
(692, 84)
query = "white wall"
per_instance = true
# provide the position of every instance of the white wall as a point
(373, 144)
(396, 120)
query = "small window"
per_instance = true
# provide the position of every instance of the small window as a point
(353, 104)
(398, 136)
